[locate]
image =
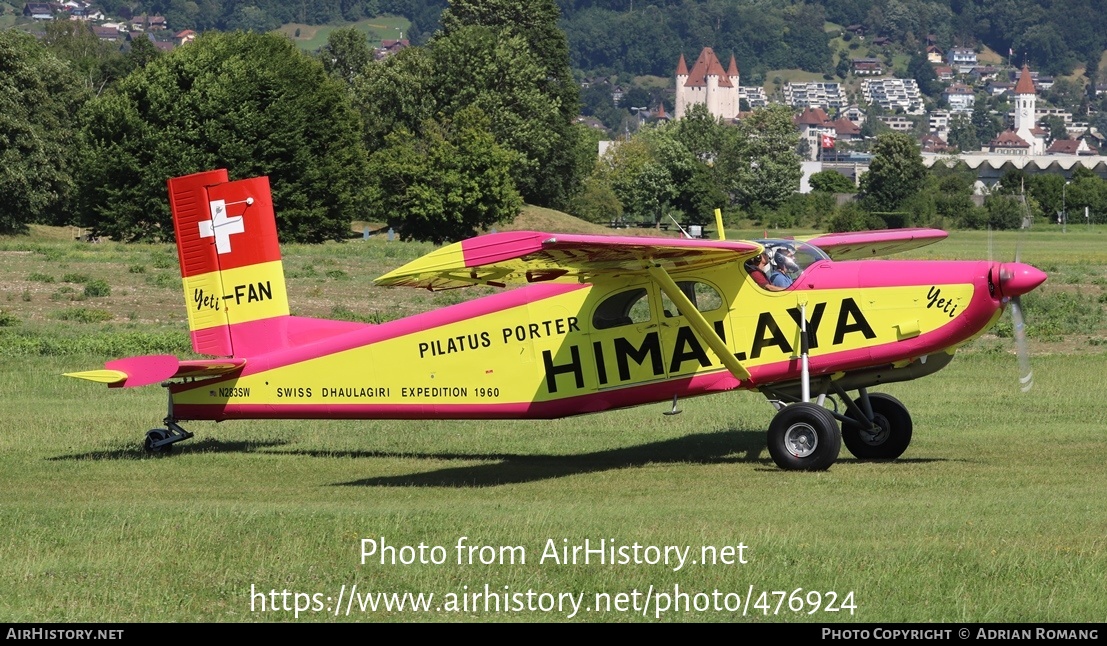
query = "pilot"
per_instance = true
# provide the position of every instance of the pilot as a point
(782, 266)
(759, 267)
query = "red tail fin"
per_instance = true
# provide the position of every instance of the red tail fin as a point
(230, 257)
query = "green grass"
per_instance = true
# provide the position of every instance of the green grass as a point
(312, 37)
(994, 514)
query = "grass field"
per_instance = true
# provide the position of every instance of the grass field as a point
(996, 513)
(311, 37)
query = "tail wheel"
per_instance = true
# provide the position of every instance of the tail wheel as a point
(804, 437)
(153, 436)
(887, 437)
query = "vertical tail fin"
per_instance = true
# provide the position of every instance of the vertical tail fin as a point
(230, 262)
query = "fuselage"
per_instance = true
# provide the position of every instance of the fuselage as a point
(558, 349)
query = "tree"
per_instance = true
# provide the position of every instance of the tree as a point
(701, 133)
(644, 173)
(99, 64)
(346, 53)
(1003, 212)
(1049, 192)
(831, 181)
(550, 176)
(759, 166)
(1056, 127)
(1066, 93)
(962, 134)
(498, 72)
(141, 52)
(597, 203)
(982, 120)
(251, 103)
(920, 69)
(39, 98)
(397, 92)
(446, 184)
(896, 172)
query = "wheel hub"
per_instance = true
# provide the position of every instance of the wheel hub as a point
(878, 433)
(801, 440)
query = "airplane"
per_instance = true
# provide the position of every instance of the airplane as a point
(593, 323)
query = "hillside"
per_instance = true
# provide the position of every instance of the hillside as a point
(537, 218)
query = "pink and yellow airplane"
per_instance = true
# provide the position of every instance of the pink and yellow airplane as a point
(599, 323)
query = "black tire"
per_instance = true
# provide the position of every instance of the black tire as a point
(804, 437)
(156, 435)
(893, 436)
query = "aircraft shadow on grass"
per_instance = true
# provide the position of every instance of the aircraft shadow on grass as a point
(717, 447)
(136, 452)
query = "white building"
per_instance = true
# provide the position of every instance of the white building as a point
(961, 59)
(960, 98)
(893, 94)
(709, 84)
(828, 96)
(755, 96)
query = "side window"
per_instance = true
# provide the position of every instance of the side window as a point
(705, 297)
(625, 308)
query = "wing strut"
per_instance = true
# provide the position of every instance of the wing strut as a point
(697, 321)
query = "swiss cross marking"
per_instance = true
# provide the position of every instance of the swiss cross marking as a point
(221, 227)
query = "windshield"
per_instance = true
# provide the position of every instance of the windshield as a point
(803, 254)
(782, 261)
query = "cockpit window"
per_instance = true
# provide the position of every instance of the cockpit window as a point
(705, 297)
(781, 262)
(625, 308)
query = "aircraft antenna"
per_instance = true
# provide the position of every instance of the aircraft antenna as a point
(682, 231)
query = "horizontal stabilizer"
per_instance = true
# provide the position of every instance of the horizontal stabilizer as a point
(521, 257)
(156, 368)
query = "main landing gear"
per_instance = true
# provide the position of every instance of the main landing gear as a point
(804, 435)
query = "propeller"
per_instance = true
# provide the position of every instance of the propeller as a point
(1016, 279)
(1026, 375)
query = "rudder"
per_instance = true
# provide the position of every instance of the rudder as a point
(230, 259)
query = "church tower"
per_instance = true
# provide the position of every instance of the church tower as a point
(1026, 99)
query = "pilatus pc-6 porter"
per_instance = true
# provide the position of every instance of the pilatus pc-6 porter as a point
(597, 323)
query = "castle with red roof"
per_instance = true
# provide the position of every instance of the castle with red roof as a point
(709, 84)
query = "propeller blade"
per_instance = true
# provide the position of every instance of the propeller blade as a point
(1026, 375)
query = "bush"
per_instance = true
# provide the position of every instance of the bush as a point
(1003, 212)
(851, 217)
(96, 288)
(84, 315)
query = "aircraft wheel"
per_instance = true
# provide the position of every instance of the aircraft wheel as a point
(804, 437)
(886, 442)
(157, 435)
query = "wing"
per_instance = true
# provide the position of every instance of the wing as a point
(532, 256)
(856, 245)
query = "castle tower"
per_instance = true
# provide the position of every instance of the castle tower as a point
(709, 84)
(681, 79)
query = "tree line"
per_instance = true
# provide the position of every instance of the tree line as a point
(646, 36)
(435, 141)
